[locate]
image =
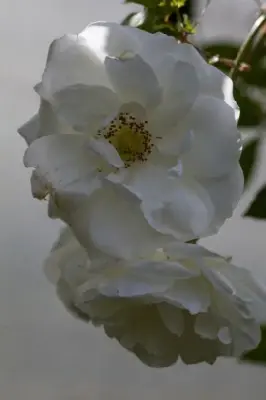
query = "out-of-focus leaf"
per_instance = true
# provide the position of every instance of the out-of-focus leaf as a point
(224, 51)
(248, 158)
(172, 17)
(180, 3)
(251, 112)
(257, 209)
(188, 8)
(255, 58)
(188, 25)
(145, 3)
(160, 3)
(256, 76)
(259, 354)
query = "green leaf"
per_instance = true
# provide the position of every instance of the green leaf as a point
(251, 112)
(259, 354)
(256, 76)
(257, 208)
(173, 3)
(223, 50)
(178, 3)
(188, 25)
(188, 9)
(171, 17)
(248, 158)
(145, 3)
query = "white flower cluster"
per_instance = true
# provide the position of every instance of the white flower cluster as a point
(136, 146)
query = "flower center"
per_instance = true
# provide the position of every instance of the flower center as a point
(130, 137)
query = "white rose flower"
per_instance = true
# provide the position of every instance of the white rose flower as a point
(142, 112)
(184, 302)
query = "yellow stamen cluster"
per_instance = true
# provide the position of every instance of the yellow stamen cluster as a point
(130, 137)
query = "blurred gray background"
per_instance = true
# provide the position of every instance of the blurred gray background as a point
(45, 353)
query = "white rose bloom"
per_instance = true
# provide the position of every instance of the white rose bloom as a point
(184, 302)
(145, 113)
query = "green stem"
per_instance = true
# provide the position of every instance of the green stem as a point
(244, 49)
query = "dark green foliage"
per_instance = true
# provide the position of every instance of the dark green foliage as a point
(172, 17)
(257, 209)
(257, 74)
(145, 3)
(248, 158)
(259, 354)
(251, 112)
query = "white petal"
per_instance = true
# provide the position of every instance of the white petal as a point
(172, 318)
(30, 130)
(145, 180)
(231, 184)
(176, 141)
(182, 251)
(220, 282)
(70, 261)
(172, 205)
(164, 271)
(108, 39)
(50, 124)
(39, 186)
(191, 294)
(107, 151)
(53, 209)
(66, 255)
(224, 335)
(216, 145)
(244, 283)
(126, 288)
(213, 82)
(206, 326)
(156, 46)
(65, 238)
(133, 80)
(184, 212)
(147, 279)
(42, 124)
(115, 224)
(181, 87)
(235, 310)
(188, 53)
(144, 278)
(85, 107)
(63, 161)
(70, 61)
(135, 109)
(159, 47)
(244, 328)
(217, 84)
